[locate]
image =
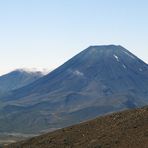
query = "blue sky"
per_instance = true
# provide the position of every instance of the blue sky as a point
(46, 33)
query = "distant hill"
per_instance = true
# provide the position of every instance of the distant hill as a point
(17, 79)
(128, 129)
(97, 81)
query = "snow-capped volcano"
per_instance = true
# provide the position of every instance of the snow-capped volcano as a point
(99, 80)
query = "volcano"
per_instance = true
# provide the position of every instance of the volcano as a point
(97, 81)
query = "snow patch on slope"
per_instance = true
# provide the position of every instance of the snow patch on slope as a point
(124, 66)
(116, 57)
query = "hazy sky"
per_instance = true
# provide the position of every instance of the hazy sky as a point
(46, 33)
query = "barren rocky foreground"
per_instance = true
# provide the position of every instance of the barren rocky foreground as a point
(127, 129)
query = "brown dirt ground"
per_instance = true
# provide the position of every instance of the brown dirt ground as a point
(127, 129)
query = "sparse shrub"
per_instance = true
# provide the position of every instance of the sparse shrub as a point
(67, 141)
(98, 146)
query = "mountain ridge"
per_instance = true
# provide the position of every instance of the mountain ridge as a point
(97, 81)
(85, 54)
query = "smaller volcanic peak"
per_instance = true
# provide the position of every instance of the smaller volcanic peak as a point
(18, 78)
(32, 71)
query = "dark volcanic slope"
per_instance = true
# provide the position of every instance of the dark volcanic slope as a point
(99, 80)
(128, 129)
